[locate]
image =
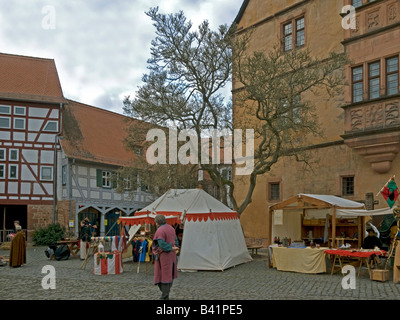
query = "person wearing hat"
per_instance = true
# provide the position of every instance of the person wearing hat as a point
(18, 248)
(164, 250)
(371, 241)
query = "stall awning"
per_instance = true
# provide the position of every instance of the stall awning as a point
(349, 213)
(317, 201)
(147, 218)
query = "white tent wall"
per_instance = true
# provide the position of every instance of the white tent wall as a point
(291, 227)
(212, 245)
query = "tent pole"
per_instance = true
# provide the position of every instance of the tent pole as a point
(334, 227)
(359, 232)
(270, 227)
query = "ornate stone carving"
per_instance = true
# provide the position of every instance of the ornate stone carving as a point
(392, 113)
(356, 119)
(392, 12)
(373, 19)
(357, 29)
(374, 116)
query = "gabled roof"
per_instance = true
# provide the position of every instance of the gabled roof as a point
(29, 78)
(241, 11)
(96, 135)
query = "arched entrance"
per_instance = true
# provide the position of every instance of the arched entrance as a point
(111, 222)
(94, 219)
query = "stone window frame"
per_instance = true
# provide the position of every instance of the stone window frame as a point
(387, 74)
(270, 183)
(371, 78)
(356, 82)
(342, 181)
(293, 32)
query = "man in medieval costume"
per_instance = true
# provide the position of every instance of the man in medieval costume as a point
(165, 246)
(18, 248)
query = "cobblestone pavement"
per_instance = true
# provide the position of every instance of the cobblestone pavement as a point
(250, 281)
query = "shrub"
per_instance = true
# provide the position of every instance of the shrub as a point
(50, 234)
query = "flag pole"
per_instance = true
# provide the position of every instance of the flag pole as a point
(392, 178)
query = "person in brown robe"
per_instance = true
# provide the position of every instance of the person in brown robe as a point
(18, 249)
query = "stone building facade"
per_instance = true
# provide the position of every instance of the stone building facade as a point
(358, 152)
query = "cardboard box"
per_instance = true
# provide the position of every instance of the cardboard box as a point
(379, 275)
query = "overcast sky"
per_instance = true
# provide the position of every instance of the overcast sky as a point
(100, 46)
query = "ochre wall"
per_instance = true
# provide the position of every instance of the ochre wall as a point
(324, 34)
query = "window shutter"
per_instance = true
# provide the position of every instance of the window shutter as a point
(99, 178)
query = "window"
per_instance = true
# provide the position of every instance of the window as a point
(274, 191)
(5, 123)
(392, 75)
(287, 33)
(64, 175)
(357, 80)
(19, 123)
(46, 173)
(294, 34)
(13, 171)
(348, 186)
(2, 171)
(107, 179)
(226, 173)
(13, 155)
(356, 3)
(374, 79)
(300, 40)
(128, 183)
(2, 154)
(51, 126)
(5, 109)
(19, 111)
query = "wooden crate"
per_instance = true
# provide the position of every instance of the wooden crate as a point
(380, 275)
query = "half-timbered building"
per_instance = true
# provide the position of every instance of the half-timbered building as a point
(31, 101)
(92, 152)
(58, 157)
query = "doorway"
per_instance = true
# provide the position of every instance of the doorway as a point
(10, 213)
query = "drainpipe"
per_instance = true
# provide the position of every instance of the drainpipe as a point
(56, 140)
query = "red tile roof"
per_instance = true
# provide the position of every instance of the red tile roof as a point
(29, 78)
(96, 135)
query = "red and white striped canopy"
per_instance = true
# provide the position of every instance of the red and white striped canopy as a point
(183, 204)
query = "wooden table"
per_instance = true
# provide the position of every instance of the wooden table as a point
(254, 247)
(73, 246)
(302, 260)
(361, 255)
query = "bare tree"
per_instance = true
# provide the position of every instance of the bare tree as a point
(188, 69)
(276, 97)
(187, 72)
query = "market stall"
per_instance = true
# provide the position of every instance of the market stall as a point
(301, 219)
(313, 218)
